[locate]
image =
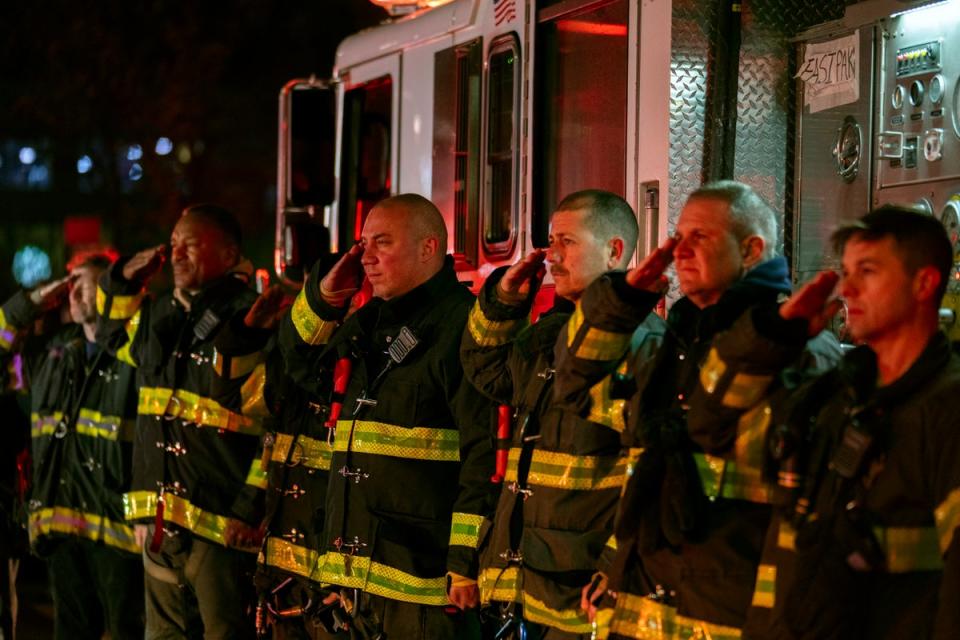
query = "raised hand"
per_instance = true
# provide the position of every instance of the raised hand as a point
(649, 274)
(145, 264)
(52, 294)
(268, 309)
(812, 302)
(344, 278)
(516, 282)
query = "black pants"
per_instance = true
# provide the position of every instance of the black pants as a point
(95, 588)
(198, 589)
(386, 619)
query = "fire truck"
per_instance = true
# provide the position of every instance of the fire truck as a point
(495, 109)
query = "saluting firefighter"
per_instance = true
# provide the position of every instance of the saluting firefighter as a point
(413, 454)
(197, 490)
(691, 523)
(870, 450)
(563, 472)
(83, 408)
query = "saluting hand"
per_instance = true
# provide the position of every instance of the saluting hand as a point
(50, 295)
(268, 309)
(515, 284)
(812, 302)
(649, 274)
(145, 264)
(344, 277)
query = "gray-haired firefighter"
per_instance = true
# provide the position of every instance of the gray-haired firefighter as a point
(413, 453)
(197, 489)
(563, 472)
(696, 508)
(83, 408)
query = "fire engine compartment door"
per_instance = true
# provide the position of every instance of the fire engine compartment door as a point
(367, 144)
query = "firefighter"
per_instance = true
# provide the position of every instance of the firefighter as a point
(83, 405)
(296, 458)
(563, 472)
(197, 492)
(695, 509)
(877, 499)
(413, 454)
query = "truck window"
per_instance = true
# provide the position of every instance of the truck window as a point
(365, 160)
(500, 188)
(581, 104)
(456, 145)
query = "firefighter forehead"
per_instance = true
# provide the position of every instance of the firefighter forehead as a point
(707, 257)
(394, 256)
(199, 252)
(576, 255)
(83, 293)
(876, 286)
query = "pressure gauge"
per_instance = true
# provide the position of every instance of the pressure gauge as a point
(936, 89)
(846, 149)
(916, 93)
(896, 99)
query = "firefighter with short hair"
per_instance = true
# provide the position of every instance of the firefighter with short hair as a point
(409, 487)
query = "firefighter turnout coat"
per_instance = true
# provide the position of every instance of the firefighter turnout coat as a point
(564, 472)
(692, 521)
(83, 408)
(196, 462)
(413, 454)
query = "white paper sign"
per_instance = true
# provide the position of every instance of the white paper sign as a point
(830, 72)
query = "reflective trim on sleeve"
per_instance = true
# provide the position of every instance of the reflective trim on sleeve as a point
(765, 590)
(311, 328)
(379, 579)
(728, 479)
(231, 367)
(121, 307)
(910, 548)
(499, 584)
(8, 332)
(711, 371)
(252, 398)
(596, 344)
(89, 423)
(573, 473)
(139, 504)
(465, 529)
(380, 438)
(194, 409)
(641, 617)
(311, 453)
(123, 353)
(491, 333)
(91, 526)
(291, 558)
(745, 390)
(567, 620)
(257, 477)
(947, 517)
(604, 409)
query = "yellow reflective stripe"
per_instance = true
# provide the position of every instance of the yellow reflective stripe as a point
(231, 367)
(765, 590)
(712, 370)
(745, 390)
(611, 543)
(500, 584)
(491, 333)
(89, 423)
(312, 328)
(786, 536)
(568, 620)
(641, 617)
(252, 400)
(8, 332)
(139, 504)
(947, 517)
(729, 479)
(750, 447)
(194, 409)
(604, 409)
(121, 307)
(291, 558)
(564, 471)
(380, 438)
(465, 529)
(257, 477)
(309, 452)
(910, 548)
(382, 580)
(123, 353)
(596, 344)
(91, 526)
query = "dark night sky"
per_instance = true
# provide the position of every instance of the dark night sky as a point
(86, 77)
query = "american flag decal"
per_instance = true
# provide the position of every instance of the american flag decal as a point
(504, 11)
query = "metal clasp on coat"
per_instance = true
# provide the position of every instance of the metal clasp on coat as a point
(178, 408)
(517, 489)
(547, 373)
(354, 546)
(512, 557)
(356, 474)
(295, 491)
(60, 431)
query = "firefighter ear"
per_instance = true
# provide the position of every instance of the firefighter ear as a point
(615, 253)
(751, 251)
(926, 284)
(429, 248)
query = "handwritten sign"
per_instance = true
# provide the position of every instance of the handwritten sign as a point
(830, 72)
